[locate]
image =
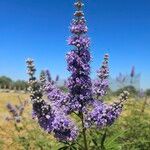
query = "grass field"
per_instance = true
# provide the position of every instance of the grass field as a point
(27, 135)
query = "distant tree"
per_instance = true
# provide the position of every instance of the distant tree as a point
(20, 84)
(148, 92)
(5, 82)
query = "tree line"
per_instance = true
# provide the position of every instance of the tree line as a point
(8, 83)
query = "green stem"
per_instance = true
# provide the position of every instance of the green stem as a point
(103, 139)
(84, 133)
(144, 105)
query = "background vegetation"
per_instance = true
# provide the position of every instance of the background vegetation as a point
(130, 132)
(8, 83)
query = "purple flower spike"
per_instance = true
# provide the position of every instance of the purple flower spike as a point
(101, 85)
(48, 76)
(132, 74)
(103, 114)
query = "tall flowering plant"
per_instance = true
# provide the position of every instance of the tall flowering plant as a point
(84, 98)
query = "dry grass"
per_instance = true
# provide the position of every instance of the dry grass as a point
(12, 98)
(7, 130)
(30, 130)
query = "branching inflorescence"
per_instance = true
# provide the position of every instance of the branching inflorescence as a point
(83, 98)
(16, 111)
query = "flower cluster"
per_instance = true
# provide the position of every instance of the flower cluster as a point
(41, 109)
(80, 42)
(50, 117)
(103, 115)
(43, 78)
(16, 111)
(132, 74)
(56, 97)
(64, 129)
(82, 98)
(48, 76)
(121, 78)
(79, 84)
(101, 85)
(79, 62)
(78, 27)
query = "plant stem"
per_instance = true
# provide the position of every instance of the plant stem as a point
(144, 105)
(84, 133)
(103, 139)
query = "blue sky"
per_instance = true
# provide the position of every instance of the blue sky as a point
(39, 29)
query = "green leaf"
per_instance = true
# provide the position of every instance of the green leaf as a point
(94, 141)
(103, 139)
(112, 140)
(63, 148)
